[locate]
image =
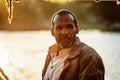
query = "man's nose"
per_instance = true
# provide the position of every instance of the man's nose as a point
(64, 31)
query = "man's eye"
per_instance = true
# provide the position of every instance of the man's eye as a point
(70, 26)
(59, 28)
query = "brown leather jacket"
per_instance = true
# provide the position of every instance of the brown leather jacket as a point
(83, 63)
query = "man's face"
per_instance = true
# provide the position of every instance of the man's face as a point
(64, 30)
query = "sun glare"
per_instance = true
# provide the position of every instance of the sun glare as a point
(59, 1)
(118, 2)
(4, 58)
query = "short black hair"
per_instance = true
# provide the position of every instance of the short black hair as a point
(63, 12)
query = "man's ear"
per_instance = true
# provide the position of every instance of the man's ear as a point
(77, 29)
(52, 31)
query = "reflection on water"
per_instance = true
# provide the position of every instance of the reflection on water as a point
(22, 54)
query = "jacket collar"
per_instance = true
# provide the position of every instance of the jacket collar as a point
(54, 49)
(73, 52)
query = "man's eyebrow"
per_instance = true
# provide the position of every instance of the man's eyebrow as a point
(70, 25)
(58, 26)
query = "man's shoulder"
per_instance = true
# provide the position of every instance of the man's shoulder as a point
(89, 52)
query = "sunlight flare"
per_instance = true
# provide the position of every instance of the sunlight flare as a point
(59, 1)
(118, 2)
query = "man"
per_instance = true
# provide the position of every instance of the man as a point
(69, 58)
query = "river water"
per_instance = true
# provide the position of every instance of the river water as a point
(22, 54)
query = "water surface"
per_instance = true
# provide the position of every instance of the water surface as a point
(22, 54)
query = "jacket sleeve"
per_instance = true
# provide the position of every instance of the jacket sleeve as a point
(91, 66)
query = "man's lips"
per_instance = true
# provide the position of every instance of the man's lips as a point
(65, 40)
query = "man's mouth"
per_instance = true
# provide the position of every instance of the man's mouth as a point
(65, 40)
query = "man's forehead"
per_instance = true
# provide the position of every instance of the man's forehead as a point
(65, 17)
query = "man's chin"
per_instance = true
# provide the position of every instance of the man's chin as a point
(66, 45)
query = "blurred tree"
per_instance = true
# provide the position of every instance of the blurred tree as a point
(109, 10)
(28, 15)
(108, 14)
(36, 14)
